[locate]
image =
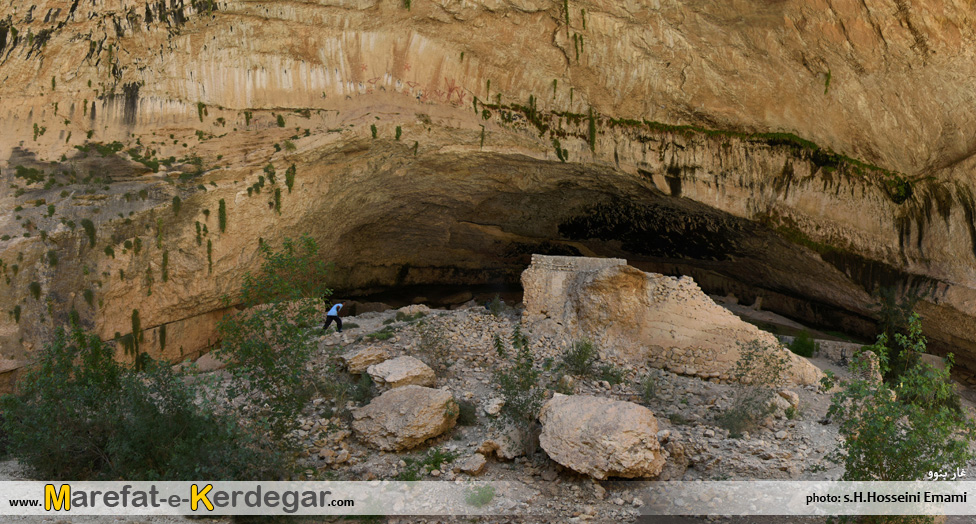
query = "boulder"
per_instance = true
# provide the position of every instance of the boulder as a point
(790, 397)
(358, 360)
(601, 437)
(413, 309)
(635, 317)
(472, 465)
(494, 406)
(401, 371)
(405, 417)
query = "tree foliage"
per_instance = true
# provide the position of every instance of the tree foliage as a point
(81, 414)
(270, 342)
(900, 432)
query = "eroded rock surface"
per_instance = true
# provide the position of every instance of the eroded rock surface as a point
(601, 437)
(405, 417)
(634, 316)
(357, 361)
(401, 371)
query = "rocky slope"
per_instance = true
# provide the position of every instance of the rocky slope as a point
(442, 142)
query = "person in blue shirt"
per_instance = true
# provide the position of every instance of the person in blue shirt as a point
(333, 315)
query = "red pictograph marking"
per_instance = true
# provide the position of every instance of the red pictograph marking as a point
(373, 80)
(406, 66)
(413, 84)
(364, 68)
(454, 88)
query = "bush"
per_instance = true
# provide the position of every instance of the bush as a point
(759, 369)
(900, 433)
(80, 414)
(497, 306)
(803, 345)
(480, 496)
(520, 385)
(648, 389)
(612, 374)
(580, 357)
(467, 413)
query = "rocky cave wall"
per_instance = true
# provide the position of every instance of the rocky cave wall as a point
(799, 151)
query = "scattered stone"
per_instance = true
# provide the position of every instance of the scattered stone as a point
(494, 406)
(601, 437)
(401, 371)
(358, 360)
(780, 435)
(405, 417)
(473, 465)
(790, 397)
(779, 404)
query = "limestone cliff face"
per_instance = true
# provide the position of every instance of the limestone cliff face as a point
(445, 141)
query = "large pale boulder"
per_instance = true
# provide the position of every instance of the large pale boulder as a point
(634, 317)
(405, 417)
(358, 360)
(601, 437)
(401, 371)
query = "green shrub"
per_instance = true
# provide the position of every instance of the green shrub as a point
(222, 215)
(80, 414)
(467, 413)
(900, 433)
(177, 205)
(480, 496)
(403, 317)
(580, 357)
(281, 121)
(372, 130)
(89, 228)
(521, 385)
(758, 371)
(35, 290)
(496, 306)
(290, 177)
(804, 345)
(270, 341)
(383, 334)
(362, 390)
(612, 374)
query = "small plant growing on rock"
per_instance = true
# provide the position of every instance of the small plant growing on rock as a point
(89, 228)
(648, 389)
(611, 374)
(759, 369)
(580, 357)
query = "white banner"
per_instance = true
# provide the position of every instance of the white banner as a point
(480, 498)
